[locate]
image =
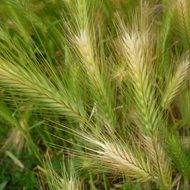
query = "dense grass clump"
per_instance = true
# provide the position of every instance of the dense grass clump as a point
(94, 94)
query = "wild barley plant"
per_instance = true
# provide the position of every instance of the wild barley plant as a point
(99, 82)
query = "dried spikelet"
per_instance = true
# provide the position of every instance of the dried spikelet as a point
(162, 163)
(139, 69)
(124, 161)
(118, 158)
(16, 137)
(173, 86)
(55, 181)
(58, 182)
(84, 46)
(83, 41)
(133, 45)
(15, 140)
(136, 43)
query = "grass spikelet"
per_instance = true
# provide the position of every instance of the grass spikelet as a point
(15, 141)
(100, 73)
(35, 85)
(86, 44)
(175, 83)
(180, 13)
(66, 180)
(116, 156)
(161, 163)
(120, 158)
(179, 155)
(139, 71)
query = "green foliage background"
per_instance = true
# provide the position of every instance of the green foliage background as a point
(94, 94)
